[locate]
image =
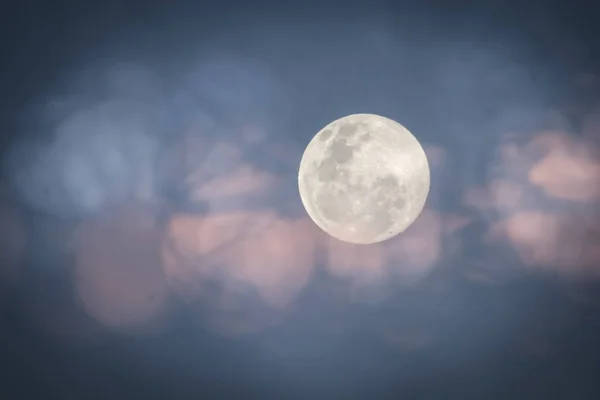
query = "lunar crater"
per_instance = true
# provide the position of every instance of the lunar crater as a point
(341, 152)
(325, 135)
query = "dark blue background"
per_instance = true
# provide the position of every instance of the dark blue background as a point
(429, 68)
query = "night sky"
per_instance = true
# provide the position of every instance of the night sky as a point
(152, 240)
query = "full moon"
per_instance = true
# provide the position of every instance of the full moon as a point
(364, 179)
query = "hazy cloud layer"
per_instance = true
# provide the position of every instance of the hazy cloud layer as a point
(118, 275)
(95, 157)
(181, 180)
(544, 204)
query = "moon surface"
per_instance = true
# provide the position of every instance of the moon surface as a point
(364, 179)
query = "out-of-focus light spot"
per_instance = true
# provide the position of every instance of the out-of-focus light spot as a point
(506, 194)
(540, 205)
(118, 275)
(221, 177)
(534, 234)
(237, 253)
(98, 156)
(566, 175)
(560, 242)
(193, 236)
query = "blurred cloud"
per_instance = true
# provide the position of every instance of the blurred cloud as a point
(118, 275)
(95, 146)
(561, 242)
(543, 203)
(504, 195)
(239, 252)
(227, 133)
(242, 181)
(224, 92)
(209, 184)
(568, 174)
(405, 259)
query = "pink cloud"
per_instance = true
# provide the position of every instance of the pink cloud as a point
(540, 205)
(242, 251)
(118, 276)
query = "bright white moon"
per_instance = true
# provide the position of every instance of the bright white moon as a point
(364, 179)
